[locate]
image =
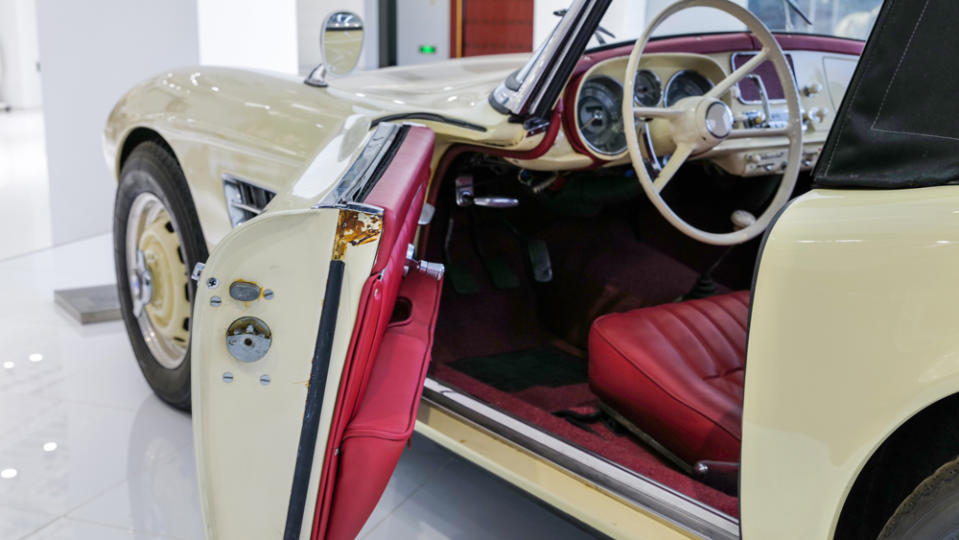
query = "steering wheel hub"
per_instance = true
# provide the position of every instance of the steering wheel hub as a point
(718, 119)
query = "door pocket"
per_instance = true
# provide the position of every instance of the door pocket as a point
(384, 420)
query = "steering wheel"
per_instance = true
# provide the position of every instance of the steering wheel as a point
(698, 124)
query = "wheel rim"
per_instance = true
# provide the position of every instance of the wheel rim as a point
(157, 280)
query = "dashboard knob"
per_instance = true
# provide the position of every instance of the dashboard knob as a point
(754, 158)
(816, 115)
(812, 89)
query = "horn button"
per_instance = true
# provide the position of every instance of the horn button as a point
(718, 119)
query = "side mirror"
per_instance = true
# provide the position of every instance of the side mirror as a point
(341, 44)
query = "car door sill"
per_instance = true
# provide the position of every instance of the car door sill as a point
(632, 488)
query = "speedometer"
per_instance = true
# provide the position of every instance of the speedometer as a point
(648, 90)
(686, 84)
(600, 114)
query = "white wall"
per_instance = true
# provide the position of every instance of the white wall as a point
(627, 19)
(422, 22)
(19, 78)
(252, 34)
(91, 53)
(310, 15)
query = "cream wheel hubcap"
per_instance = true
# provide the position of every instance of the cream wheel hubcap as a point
(158, 279)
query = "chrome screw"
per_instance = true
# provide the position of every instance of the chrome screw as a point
(215, 301)
(212, 283)
(227, 377)
(264, 380)
(268, 294)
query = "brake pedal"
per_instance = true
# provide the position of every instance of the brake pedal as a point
(539, 260)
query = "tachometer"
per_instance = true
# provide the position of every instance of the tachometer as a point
(600, 115)
(648, 90)
(686, 84)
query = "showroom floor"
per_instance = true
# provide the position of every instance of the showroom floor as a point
(86, 450)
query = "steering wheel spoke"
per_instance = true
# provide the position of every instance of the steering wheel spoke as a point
(676, 161)
(645, 113)
(704, 123)
(724, 85)
(758, 132)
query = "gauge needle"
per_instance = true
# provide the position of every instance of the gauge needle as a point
(598, 117)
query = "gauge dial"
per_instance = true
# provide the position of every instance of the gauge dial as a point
(648, 90)
(686, 84)
(600, 115)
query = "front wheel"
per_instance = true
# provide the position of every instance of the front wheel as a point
(931, 511)
(157, 240)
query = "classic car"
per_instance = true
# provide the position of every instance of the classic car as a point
(617, 233)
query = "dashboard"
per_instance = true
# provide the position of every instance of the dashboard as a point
(593, 126)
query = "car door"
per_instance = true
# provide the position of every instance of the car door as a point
(311, 340)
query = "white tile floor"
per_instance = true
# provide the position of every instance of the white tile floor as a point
(87, 451)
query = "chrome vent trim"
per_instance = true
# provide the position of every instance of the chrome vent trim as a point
(244, 200)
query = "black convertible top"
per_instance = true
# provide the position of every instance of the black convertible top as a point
(898, 126)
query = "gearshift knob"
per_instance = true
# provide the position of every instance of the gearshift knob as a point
(742, 219)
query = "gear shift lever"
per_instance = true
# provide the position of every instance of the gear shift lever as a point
(705, 286)
(742, 219)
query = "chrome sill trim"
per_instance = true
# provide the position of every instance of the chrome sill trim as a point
(632, 488)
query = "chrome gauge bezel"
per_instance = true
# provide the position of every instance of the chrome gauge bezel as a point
(659, 88)
(678, 74)
(618, 95)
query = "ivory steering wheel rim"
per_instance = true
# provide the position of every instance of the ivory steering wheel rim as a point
(693, 134)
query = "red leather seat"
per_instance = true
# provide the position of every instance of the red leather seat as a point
(676, 372)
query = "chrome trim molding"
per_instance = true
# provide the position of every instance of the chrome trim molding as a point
(659, 83)
(605, 475)
(540, 74)
(579, 127)
(366, 170)
(673, 78)
(244, 199)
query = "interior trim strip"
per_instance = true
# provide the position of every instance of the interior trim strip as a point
(607, 476)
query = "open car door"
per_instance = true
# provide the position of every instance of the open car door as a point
(311, 341)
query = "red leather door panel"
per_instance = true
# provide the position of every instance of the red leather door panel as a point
(386, 364)
(384, 421)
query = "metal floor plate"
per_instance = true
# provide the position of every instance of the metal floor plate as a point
(89, 305)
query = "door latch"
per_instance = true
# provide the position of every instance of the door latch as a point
(432, 269)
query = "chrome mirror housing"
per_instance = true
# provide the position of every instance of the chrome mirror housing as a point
(341, 44)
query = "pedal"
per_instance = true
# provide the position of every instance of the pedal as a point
(458, 276)
(462, 280)
(539, 260)
(501, 273)
(499, 269)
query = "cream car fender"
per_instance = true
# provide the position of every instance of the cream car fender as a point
(852, 333)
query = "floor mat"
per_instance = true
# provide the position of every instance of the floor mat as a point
(519, 370)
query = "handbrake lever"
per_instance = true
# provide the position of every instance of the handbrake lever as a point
(465, 196)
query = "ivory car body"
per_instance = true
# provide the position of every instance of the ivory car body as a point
(319, 337)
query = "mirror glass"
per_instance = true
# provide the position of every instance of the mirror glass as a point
(342, 41)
